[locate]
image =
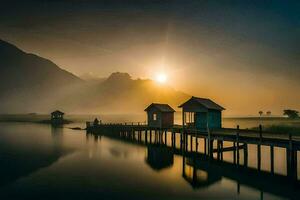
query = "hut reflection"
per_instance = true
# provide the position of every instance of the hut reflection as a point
(159, 156)
(57, 136)
(197, 178)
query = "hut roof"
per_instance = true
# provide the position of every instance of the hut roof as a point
(57, 112)
(207, 103)
(160, 107)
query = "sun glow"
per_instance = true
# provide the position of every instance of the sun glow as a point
(161, 78)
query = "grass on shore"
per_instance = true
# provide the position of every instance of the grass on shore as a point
(281, 129)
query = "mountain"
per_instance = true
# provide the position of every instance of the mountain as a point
(30, 83)
(119, 93)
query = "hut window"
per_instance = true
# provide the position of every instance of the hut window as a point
(154, 117)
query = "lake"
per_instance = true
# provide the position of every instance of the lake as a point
(38, 161)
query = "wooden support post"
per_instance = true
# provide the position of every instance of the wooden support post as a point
(272, 158)
(245, 155)
(186, 141)
(150, 131)
(181, 141)
(160, 136)
(221, 149)
(140, 135)
(295, 162)
(211, 148)
(234, 152)
(218, 150)
(291, 157)
(288, 162)
(259, 148)
(197, 144)
(183, 131)
(238, 144)
(258, 157)
(260, 133)
(208, 140)
(174, 139)
(133, 135)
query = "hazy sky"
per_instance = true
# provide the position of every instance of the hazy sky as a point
(244, 54)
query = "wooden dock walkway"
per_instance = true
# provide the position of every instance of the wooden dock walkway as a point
(225, 134)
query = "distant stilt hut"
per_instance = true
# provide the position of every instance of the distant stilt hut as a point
(57, 117)
(96, 122)
(160, 115)
(201, 113)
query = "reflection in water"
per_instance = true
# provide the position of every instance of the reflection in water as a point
(24, 156)
(159, 156)
(212, 171)
(196, 177)
(57, 136)
(201, 171)
(32, 162)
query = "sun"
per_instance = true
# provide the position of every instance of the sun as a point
(161, 78)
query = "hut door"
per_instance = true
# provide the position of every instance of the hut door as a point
(201, 120)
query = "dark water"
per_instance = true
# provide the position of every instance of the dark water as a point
(41, 162)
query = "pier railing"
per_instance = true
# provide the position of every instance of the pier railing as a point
(258, 133)
(91, 124)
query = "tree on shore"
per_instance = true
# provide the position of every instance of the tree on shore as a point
(292, 114)
(268, 113)
(260, 113)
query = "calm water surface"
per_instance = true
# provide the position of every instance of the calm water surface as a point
(41, 162)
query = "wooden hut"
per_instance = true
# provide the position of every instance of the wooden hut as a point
(160, 115)
(57, 117)
(201, 113)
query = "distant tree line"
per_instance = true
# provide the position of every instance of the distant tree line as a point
(268, 113)
(292, 114)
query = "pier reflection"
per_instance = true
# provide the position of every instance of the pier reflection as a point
(199, 169)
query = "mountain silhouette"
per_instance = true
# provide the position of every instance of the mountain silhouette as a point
(27, 79)
(120, 93)
(30, 83)
(24, 70)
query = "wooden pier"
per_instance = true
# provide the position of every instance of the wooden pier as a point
(189, 141)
